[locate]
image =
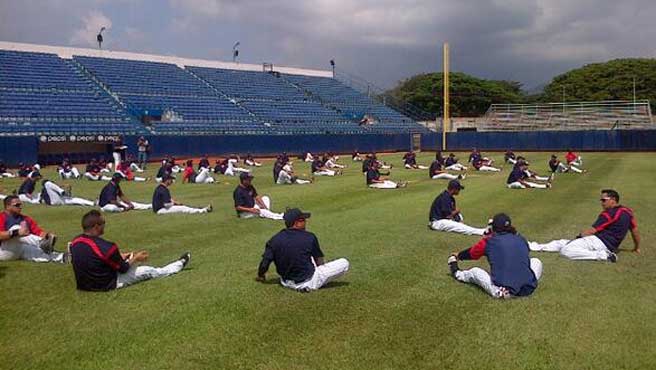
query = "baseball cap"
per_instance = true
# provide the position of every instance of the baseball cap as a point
(293, 214)
(35, 174)
(500, 221)
(117, 176)
(455, 184)
(245, 175)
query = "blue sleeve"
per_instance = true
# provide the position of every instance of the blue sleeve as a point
(267, 258)
(316, 250)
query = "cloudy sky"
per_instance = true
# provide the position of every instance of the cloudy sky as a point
(383, 41)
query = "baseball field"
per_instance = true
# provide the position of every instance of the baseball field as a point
(398, 308)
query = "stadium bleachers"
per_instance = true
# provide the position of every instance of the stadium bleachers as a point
(41, 93)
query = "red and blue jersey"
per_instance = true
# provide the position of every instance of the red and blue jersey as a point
(96, 263)
(613, 224)
(7, 221)
(510, 266)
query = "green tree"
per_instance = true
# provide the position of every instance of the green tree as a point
(470, 96)
(612, 80)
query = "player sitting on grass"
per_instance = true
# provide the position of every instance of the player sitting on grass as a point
(476, 154)
(67, 171)
(250, 161)
(163, 203)
(53, 195)
(112, 199)
(190, 176)
(4, 171)
(249, 204)
(26, 190)
(451, 164)
(232, 169)
(573, 159)
(517, 179)
(375, 181)
(298, 258)
(512, 272)
(319, 169)
(436, 170)
(100, 266)
(509, 157)
(356, 157)
(602, 241)
(124, 168)
(480, 164)
(445, 216)
(204, 162)
(330, 161)
(21, 237)
(557, 166)
(93, 173)
(410, 162)
(286, 175)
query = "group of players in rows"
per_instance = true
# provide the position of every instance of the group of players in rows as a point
(98, 264)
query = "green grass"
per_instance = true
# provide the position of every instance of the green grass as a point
(396, 309)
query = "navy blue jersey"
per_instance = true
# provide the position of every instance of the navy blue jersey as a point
(442, 207)
(553, 164)
(510, 265)
(93, 168)
(317, 164)
(164, 170)
(435, 167)
(27, 187)
(292, 251)
(109, 193)
(372, 174)
(204, 162)
(277, 167)
(613, 224)
(450, 161)
(516, 175)
(161, 196)
(96, 263)
(244, 196)
(366, 164)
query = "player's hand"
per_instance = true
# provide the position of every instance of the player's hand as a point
(636, 250)
(260, 279)
(141, 256)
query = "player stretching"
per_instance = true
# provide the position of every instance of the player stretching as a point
(517, 179)
(436, 170)
(376, 182)
(112, 199)
(512, 272)
(248, 203)
(164, 204)
(557, 166)
(444, 216)
(602, 241)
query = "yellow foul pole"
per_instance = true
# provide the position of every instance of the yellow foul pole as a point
(445, 80)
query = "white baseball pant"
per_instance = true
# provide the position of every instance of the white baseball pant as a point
(138, 274)
(512, 161)
(117, 159)
(519, 185)
(181, 209)
(445, 176)
(482, 278)
(114, 208)
(264, 213)
(387, 184)
(93, 177)
(539, 178)
(575, 169)
(456, 227)
(331, 164)
(285, 178)
(8, 174)
(322, 275)
(325, 173)
(135, 167)
(27, 199)
(586, 248)
(204, 177)
(489, 169)
(70, 175)
(253, 163)
(56, 199)
(419, 167)
(26, 248)
(456, 167)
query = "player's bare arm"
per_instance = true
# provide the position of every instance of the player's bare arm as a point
(635, 235)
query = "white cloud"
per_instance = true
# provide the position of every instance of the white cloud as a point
(85, 35)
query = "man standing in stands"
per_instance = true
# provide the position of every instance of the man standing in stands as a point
(249, 204)
(53, 195)
(445, 216)
(601, 242)
(163, 203)
(112, 199)
(22, 238)
(26, 190)
(512, 272)
(100, 266)
(143, 146)
(298, 257)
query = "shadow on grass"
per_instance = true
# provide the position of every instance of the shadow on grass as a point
(2, 272)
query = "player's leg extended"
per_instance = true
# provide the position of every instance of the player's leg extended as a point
(445, 176)
(141, 273)
(329, 272)
(536, 267)
(587, 248)
(112, 208)
(456, 227)
(74, 201)
(516, 185)
(480, 277)
(140, 206)
(552, 246)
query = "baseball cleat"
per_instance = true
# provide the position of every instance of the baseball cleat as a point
(47, 244)
(612, 257)
(209, 208)
(452, 261)
(185, 258)
(66, 258)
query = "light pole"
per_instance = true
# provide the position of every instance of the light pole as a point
(235, 52)
(332, 64)
(99, 38)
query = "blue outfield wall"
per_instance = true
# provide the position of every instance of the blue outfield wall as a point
(615, 140)
(14, 150)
